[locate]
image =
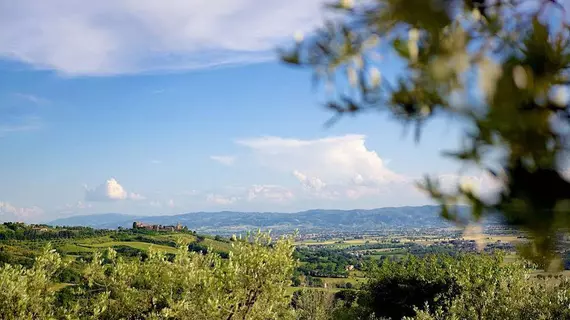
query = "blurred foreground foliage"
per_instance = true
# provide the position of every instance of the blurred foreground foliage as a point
(249, 284)
(444, 287)
(500, 67)
(253, 283)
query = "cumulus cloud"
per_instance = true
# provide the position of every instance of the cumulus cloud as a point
(332, 167)
(310, 183)
(225, 160)
(9, 212)
(111, 190)
(344, 168)
(340, 158)
(127, 36)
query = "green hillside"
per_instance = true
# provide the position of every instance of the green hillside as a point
(20, 243)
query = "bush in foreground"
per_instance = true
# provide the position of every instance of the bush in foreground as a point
(250, 284)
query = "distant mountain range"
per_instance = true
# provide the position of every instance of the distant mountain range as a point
(316, 220)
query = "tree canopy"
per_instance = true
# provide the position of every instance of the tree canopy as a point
(501, 67)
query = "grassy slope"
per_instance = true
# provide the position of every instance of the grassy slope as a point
(145, 246)
(76, 247)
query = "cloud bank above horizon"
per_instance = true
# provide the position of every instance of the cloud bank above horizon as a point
(334, 172)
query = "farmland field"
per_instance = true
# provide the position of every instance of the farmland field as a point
(329, 263)
(133, 244)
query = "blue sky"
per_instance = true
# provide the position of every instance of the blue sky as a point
(127, 106)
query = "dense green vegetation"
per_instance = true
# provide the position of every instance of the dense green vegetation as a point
(127, 274)
(20, 243)
(321, 262)
(249, 284)
(467, 286)
(20, 231)
(252, 284)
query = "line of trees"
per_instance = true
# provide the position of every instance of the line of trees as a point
(324, 262)
(21, 231)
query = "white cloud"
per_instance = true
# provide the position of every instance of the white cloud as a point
(269, 193)
(111, 190)
(155, 161)
(310, 183)
(136, 196)
(221, 199)
(127, 36)
(11, 213)
(225, 160)
(481, 183)
(340, 158)
(334, 167)
(254, 194)
(78, 205)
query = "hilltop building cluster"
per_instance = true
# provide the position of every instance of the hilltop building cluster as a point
(157, 227)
